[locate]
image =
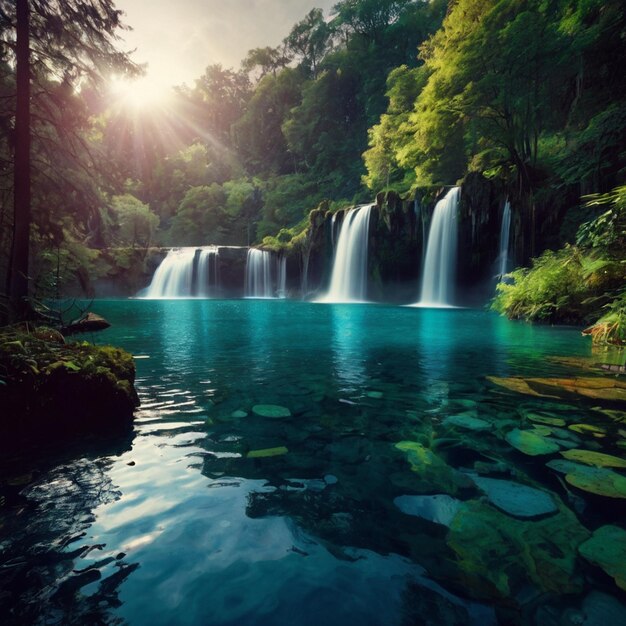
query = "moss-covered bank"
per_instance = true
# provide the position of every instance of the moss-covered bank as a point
(52, 389)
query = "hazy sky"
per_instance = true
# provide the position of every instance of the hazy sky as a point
(179, 39)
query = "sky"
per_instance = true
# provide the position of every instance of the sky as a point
(179, 39)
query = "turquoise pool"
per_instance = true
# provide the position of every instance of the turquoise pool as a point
(220, 508)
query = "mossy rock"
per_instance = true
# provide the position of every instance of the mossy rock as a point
(597, 459)
(40, 373)
(267, 452)
(434, 475)
(607, 549)
(530, 442)
(519, 385)
(545, 419)
(498, 555)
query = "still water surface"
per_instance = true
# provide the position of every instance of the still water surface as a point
(176, 524)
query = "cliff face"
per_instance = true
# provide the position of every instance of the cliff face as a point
(398, 235)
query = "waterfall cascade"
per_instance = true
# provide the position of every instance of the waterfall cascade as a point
(440, 261)
(505, 231)
(186, 273)
(348, 281)
(281, 290)
(259, 274)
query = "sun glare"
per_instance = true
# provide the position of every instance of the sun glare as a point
(140, 93)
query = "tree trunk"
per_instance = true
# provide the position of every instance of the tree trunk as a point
(18, 283)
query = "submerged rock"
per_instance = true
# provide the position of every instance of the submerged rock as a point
(530, 442)
(271, 410)
(433, 473)
(598, 480)
(599, 388)
(598, 459)
(267, 452)
(607, 549)
(516, 499)
(439, 508)
(470, 422)
(498, 555)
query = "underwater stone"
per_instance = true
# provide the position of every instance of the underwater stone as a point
(607, 549)
(498, 555)
(590, 429)
(545, 419)
(530, 443)
(433, 473)
(516, 499)
(601, 609)
(598, 459)
(267, 452)
(239, 413)
(439, 508)
(598, 480)
(464, 420)
(375, 394)
(271, 410)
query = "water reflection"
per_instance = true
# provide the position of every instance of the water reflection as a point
(304, 530)
(348, 343)
(52, 570)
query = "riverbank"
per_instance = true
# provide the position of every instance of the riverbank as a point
(50, 389)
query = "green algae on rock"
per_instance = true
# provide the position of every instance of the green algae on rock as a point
(52, 389)
(530, 442)
(267, 452)
(433, 473)
(607, 549)
(497, 555)
(598, 459)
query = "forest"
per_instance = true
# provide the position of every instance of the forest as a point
(380, 95)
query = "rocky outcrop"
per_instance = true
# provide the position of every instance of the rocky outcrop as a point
(52, 390)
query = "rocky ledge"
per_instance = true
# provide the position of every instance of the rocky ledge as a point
(50, 389)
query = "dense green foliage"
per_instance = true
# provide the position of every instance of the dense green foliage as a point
(515, 88)
(378, 95)
(578, 283)
(39, 371)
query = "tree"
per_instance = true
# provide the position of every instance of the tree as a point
(133, 222)
(222, 95)
(310, 40)
(200, 219)
(369, 18)
(50, 41)
(267, 59)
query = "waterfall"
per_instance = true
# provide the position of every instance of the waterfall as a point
(186, 272)
(208, 273)
(440, 262)
(281, 291)
(258, 274)
(505, 231)
(348, 282)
